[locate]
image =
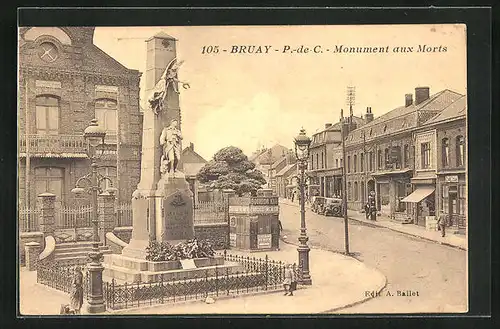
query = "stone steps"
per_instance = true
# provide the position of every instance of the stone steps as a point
(76, 252)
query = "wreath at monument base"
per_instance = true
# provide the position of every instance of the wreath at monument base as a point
(164, 251)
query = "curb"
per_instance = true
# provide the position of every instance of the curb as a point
(410, 234)
(396, 230)
(359, 301)
(353, 303)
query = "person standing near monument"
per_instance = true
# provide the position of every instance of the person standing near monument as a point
(170, 140)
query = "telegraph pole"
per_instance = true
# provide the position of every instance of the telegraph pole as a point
(344, 184)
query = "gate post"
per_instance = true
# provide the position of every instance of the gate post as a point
(46, 202)
(106, 214)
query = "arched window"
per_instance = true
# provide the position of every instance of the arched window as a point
(386, 157)
(355, 165)
(106, 115)
(47, 115)
(356, 191)
(445, 152)
(317, 161)
(362, 162)
(349, 191)
(460, 152)
(380, 160)
(348, 163)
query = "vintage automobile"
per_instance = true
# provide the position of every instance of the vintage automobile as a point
(327, 206)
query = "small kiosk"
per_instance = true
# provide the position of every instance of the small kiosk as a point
(253, 222)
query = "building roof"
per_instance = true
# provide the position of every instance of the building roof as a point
(278, 162)
(435, 102)
(409, 117)
(456, 109)
(285, 170)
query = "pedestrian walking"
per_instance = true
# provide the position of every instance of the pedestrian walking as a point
(441, 222)
(293, 196)
(76, 295)
(290, 280)
(280, 226)
(367, 210)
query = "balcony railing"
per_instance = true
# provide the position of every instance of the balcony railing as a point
(41, 144)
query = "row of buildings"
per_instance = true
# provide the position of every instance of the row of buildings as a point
(413, 158)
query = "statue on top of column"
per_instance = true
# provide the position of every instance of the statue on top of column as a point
(170, 140)
(169, 77)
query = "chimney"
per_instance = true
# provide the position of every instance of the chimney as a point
(408, 100)
(327, 125)
(421, 94)
(369, 115)
(191, 146)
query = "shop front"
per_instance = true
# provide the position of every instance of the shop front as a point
(421, 202)
(392, 188)
(452, 200)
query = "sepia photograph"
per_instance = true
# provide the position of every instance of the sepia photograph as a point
(285, 169)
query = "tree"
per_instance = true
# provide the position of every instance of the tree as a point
(231, 169)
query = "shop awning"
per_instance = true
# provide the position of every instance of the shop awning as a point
(419, 194)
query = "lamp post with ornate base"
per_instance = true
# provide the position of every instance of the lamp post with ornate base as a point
(302, 143)
(94, 136)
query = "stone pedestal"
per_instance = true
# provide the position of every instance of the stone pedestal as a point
(32, 252)
(174, 209)
(106, 214)
(46, 203)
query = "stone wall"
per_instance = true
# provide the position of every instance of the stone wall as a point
(26, 237)
(217, 234)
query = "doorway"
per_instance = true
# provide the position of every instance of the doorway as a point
(452, 207)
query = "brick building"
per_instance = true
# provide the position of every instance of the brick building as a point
(64, 82)
(325, 163)
(447, 131)
(381, 157)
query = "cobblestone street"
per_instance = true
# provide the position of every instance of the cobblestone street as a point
(436, 272)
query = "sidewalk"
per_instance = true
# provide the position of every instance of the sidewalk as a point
(338, 282)
(453, 240)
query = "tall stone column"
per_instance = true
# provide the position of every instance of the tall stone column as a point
(161, 50)
(46, 203)
(106, 214)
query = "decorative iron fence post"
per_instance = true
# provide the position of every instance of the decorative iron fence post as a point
(216, 281)
(266, 268)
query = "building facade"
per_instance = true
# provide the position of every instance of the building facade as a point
(450, 151)
(387, 156)
(64, 82)
(190, 164)
(324, 167)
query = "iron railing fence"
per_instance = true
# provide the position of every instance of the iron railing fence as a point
(211, 212)
(73, 217)
(124, 214)
(28, 219)
(258, 274)
(60, 277)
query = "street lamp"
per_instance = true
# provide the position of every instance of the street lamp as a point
(94, 137)
(302, 142)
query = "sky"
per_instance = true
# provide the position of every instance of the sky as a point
(254, 100)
